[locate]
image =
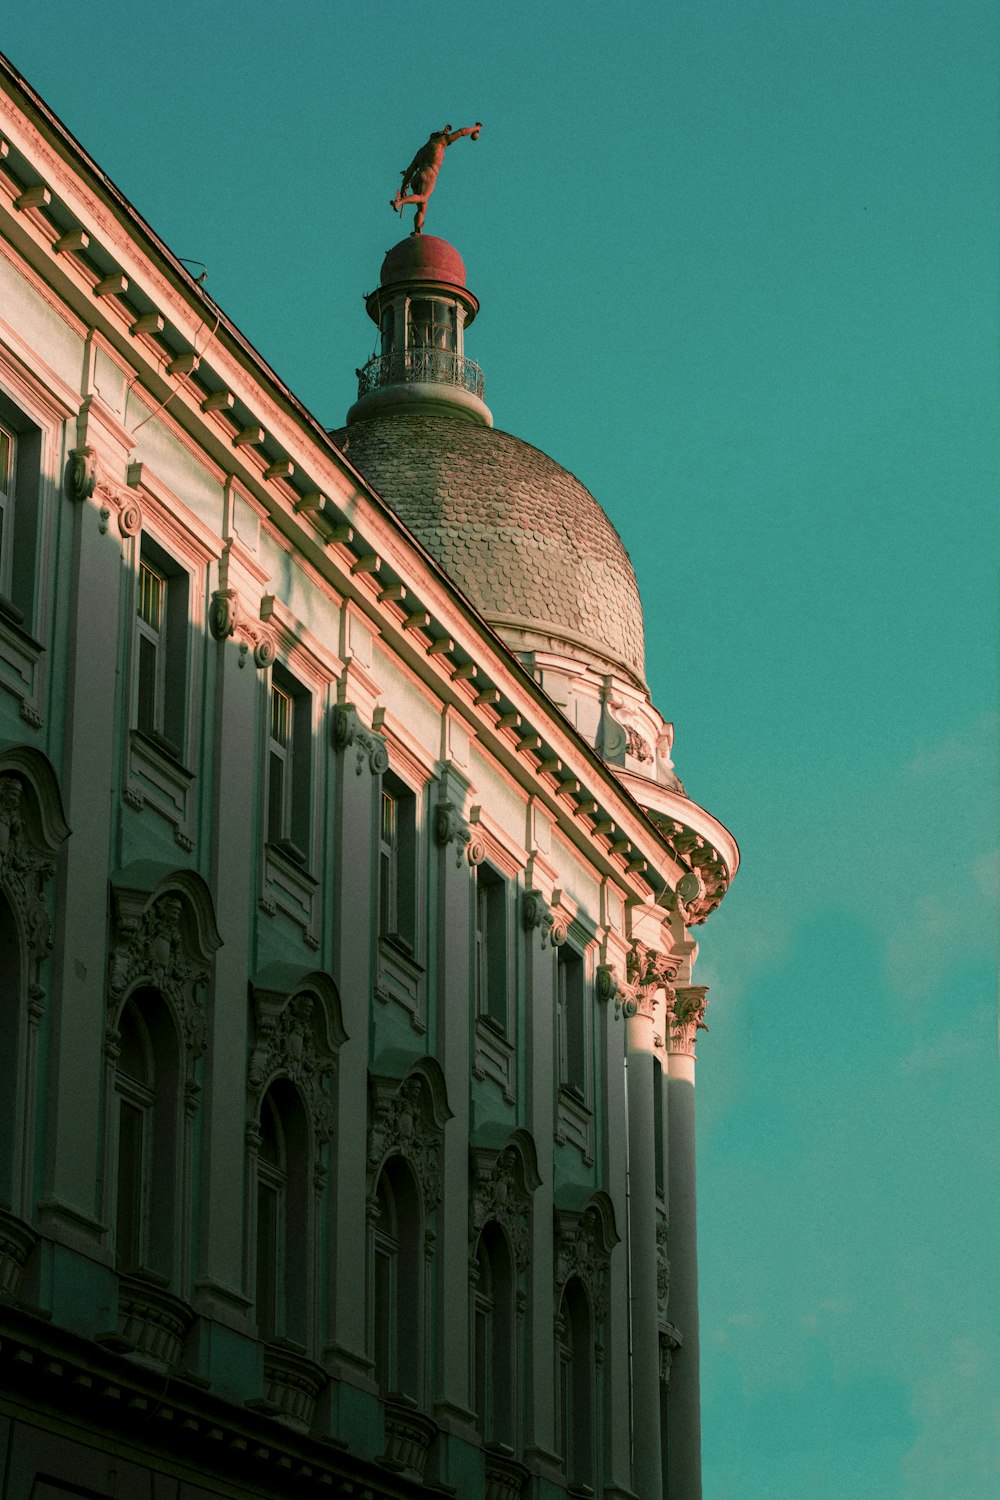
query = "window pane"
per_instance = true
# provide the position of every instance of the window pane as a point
(382, 1319)
(151, 588)
(147, 685)
(267, 1257)
(281, 715)
(276, 798)
(128, 1219)
(6, 464)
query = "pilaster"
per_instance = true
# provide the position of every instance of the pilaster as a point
(452, 1034)
(684, 1396)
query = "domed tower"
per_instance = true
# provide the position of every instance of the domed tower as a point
(519, 534)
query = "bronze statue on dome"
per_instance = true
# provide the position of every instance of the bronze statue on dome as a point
(421, 175)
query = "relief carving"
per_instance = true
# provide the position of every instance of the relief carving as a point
(502, 1185)
(224, 613)
(408, 1121)
(25, 868)
(583, 1245)
(687, 1018)
(348, 732)
(647, 972)
(449, 828)
(536, 912)
(662, 1271)
(151, 948)
(287, 1046)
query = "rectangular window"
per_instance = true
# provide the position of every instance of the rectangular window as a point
(571, 1023)
(152, 651)
(397, 863)
(491, 948)
(289, 754)
(161, 643)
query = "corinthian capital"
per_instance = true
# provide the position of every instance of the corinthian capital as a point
(687, 1018)
(647, 972)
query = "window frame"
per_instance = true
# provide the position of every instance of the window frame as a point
(575, 1051)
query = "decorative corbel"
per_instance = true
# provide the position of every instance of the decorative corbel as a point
(449, 828)
(536, 912)
(224, 613)
(348, 732)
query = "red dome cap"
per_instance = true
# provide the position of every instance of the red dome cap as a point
(423, 257)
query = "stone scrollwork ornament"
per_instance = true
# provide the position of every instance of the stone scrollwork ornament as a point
(153, 949)
(348, 732)
(686, 1016)
(648, 971)
(449, 828)
(25, 868)
(583, 1246)
(130, 518)
(536, 912)
(499, 1194)
(407, 1122)
(81, 474)
(607, 983)
(224, 614)
(287, 1046)
(662, 1271)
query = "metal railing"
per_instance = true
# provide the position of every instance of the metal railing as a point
(436, 366)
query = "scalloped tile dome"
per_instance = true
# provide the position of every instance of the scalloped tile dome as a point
(524, 540)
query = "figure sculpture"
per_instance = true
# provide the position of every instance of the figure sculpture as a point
(421, 175)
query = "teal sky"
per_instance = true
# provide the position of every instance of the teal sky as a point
(738, 271)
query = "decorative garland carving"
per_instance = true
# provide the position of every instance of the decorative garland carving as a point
(25, 868)
(647, 972)
(500, 1194)
(583, 1245)
(662, 1270)
(406, 1123)
(347, 731)
(287, 1046)
(686, 1018)
(152, 948)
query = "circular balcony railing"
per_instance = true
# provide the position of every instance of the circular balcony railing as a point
(406, 366)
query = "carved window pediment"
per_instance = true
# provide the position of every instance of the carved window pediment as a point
(584, 1240)
(502, 1184)
(407, 1118)
(297, 1033)
(163, 935)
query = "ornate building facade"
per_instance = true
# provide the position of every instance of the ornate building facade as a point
(348, 910)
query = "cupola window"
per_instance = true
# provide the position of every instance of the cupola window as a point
(432, 324)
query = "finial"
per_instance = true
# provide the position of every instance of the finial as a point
(421, 175)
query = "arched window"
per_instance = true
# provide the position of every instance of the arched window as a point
(147, 1125)
(10, 1029)
(282, 1259)
(575, 1412)
(493, 1336)
(395, 1273)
